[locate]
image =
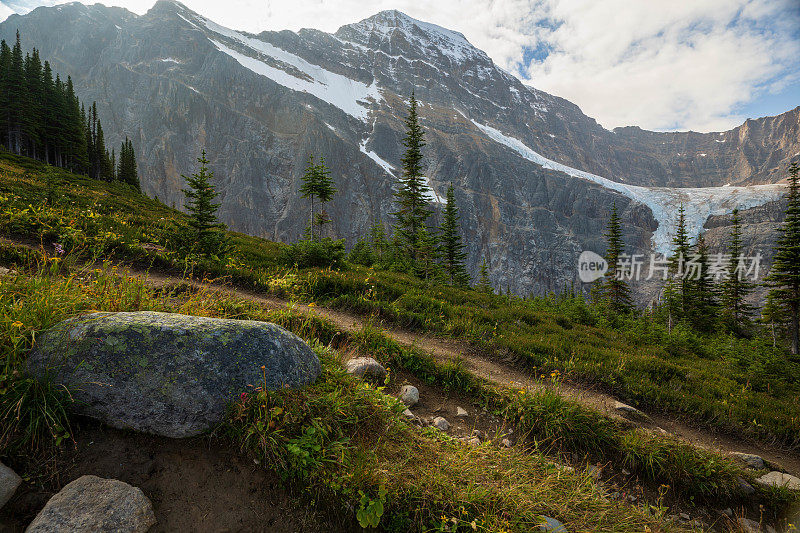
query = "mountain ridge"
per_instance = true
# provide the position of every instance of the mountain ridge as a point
(176, 82)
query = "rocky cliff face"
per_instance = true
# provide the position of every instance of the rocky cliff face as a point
(534, 177)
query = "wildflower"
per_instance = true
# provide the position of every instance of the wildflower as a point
(243, 396)
(58, 248)
(312, 304)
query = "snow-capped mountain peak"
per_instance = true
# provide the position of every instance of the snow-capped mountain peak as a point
(396, 30)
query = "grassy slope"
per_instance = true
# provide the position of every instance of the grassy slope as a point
(744, 386)
(109, 220)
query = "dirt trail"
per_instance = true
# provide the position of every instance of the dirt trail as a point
(507, 375)
(503, 374)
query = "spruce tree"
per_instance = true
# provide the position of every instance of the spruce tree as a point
(704, 298)
(773, 316)
(378, 242)
(325, 192)
(677, 264)
(318, 184)
(207, 237)
(484, 283)
(735, 286)
(412, 208)
(452, 249)
(16, 88)
(784, 276)
(617, 292)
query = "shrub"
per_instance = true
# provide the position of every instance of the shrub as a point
(325, 253)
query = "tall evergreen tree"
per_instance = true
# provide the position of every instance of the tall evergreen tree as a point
(318, 184)
(677, 263)
(16, 88)
(32, 119)
(126, 169)
(735, 286)
(616, 290)
(325, 192)
(784, 276)
(703, 293)
(207, 236)
(452, 249)
(412, 207)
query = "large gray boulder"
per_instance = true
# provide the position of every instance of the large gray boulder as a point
(168, 374)
(95, 504)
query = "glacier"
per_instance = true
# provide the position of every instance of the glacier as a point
(699, 203)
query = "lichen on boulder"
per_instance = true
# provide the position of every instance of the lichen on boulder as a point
(167, 374)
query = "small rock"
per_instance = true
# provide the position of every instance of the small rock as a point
(474, 441)
(95, 504)
(753, 461)
(551, 525)
(746, 488)
(630, 412)
(769, 528)
(749, 526)
(684, 516)
(4, 271)
(9, 483)
(594, 471)
(507, 443)
(441, 423)
(366, 368)
(461, 412)
(409, 415)
(728, 512)
(409, 395)
(477, 433)
(779, 479)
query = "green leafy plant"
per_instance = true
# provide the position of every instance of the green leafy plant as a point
(370, 510)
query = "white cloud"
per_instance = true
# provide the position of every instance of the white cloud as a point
(677, 64)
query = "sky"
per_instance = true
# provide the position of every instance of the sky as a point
(704, 65)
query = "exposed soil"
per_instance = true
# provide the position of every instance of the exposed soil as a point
(196, 484)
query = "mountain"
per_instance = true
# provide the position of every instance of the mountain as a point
(534, 177)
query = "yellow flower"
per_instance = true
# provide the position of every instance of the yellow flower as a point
(312, 304)
(17, 324)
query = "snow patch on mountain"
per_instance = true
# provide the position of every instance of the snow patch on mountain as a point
(352, 97)
(375, 157)
(699, 203)
(431, 195)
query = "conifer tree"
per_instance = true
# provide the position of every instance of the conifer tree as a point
(484, 283)
(452, 249)
(412, 208)
(318, 184)
(16, 88)
(126, 170)
(677, 264)
(617, 291)
(735, 286)
(207, 236)
(773, 316)
(378, 242)
(325, 192)
(784, 276)
(703, 294)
